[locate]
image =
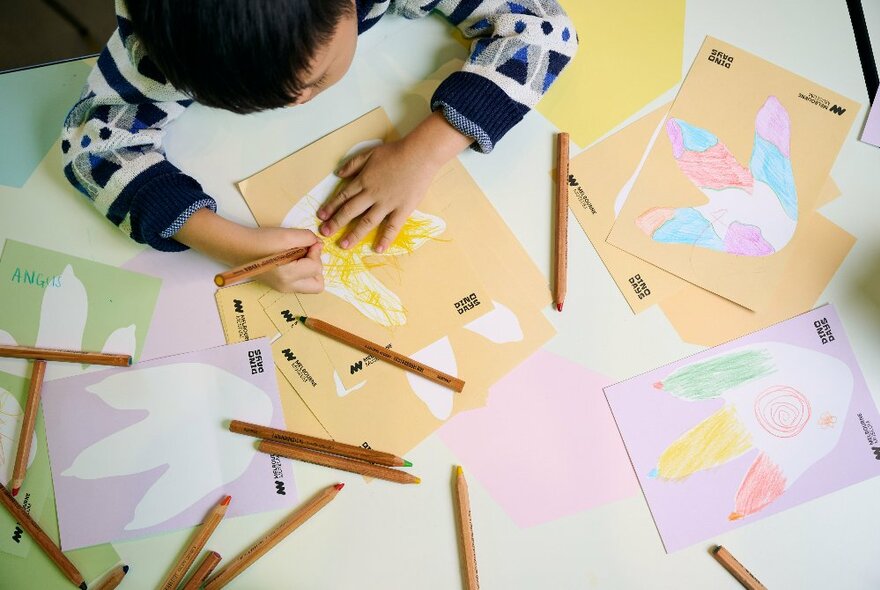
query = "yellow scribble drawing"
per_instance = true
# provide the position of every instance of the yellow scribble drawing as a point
(348, 273)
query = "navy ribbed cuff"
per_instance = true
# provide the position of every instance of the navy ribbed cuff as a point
(478, 108)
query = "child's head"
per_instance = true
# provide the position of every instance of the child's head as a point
(248, 55)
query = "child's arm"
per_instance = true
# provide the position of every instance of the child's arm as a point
(112, 145)
(521, 48)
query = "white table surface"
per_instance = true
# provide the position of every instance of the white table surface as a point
(384, 536)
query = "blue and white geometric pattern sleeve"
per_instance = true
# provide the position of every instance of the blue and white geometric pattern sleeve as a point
(520, 48)
(112, 144)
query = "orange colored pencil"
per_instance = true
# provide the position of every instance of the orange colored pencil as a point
(318, 444)
(41, 538)
(337, 462)
(66, 356)
(561, 252)
(27, 426)
(387, 355)
(736, 569)
(196, 544)
(203, 571)
(272, 538)
(466, 531)
(246, 271)
(113, 579)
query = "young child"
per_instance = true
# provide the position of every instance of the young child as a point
(250, 55)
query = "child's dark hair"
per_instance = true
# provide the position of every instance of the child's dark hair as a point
(238, 55)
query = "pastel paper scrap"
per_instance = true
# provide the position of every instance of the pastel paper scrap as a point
(545, 445)
(871, 132)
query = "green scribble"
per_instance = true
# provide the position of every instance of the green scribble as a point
(711, 378)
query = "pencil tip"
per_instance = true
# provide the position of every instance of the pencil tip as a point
(225, 501)
(125, 569)
(459, 471)
(418, 480)
(130, 361)
(83, 586)
(716, 549)
(559, 306)
(15, 492)
(303, 318)
(339, 486)
(218, 280)
(406, 463)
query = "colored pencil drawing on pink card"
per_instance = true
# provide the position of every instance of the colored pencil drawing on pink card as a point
(749, 428)
(543, 441)
(750, 212)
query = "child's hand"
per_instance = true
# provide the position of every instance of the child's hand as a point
(389, 181)
(305, 275)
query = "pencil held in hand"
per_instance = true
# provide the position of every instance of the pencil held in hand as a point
(27, 426)
(250, 269)
(272, 538)
(561, 251)
(466, 531)
(387, 355)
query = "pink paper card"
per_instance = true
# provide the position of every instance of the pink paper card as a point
(871, 132)
(750, 428)
(146, 449)
(545, 446)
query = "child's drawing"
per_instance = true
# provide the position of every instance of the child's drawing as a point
(347, 273)
(773, 403)
(751, 212)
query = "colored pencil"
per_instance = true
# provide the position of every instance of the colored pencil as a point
(336, 462)
(246, 271)
(41, 538)
(212, 558)
(466, 531)
(28, 420)
(561, 253)
(387, 355)
(318, 444)
(66, 356)
(736, 569)
(113, 579)
(272, 538)
(196, 544)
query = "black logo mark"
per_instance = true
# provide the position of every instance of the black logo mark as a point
(16, 535)
(837, 110)
(237, 304)
(288, 355)
(288, 317)
(876, 452)
(357, 367)
(279, 488)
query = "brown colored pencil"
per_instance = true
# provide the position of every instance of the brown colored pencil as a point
(736, 569)
(113, 579)
(66, 356)
(41, 538)
(336, 462)
(203, 571)
(561, 253)
(466, 532)
(196, 544)
(27, 426)
(272, 538)
(246, 271)
(387, 355)
(318, 444)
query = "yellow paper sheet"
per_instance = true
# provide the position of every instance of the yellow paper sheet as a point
(391, 409)
(706, 210)
(630, 53)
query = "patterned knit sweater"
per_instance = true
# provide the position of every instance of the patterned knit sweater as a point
(112, 138)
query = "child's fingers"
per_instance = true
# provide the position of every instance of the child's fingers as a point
(370, 219)
(354, 164)
(392, 226)
(348, 211)
(347, 192)
(310, 285)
